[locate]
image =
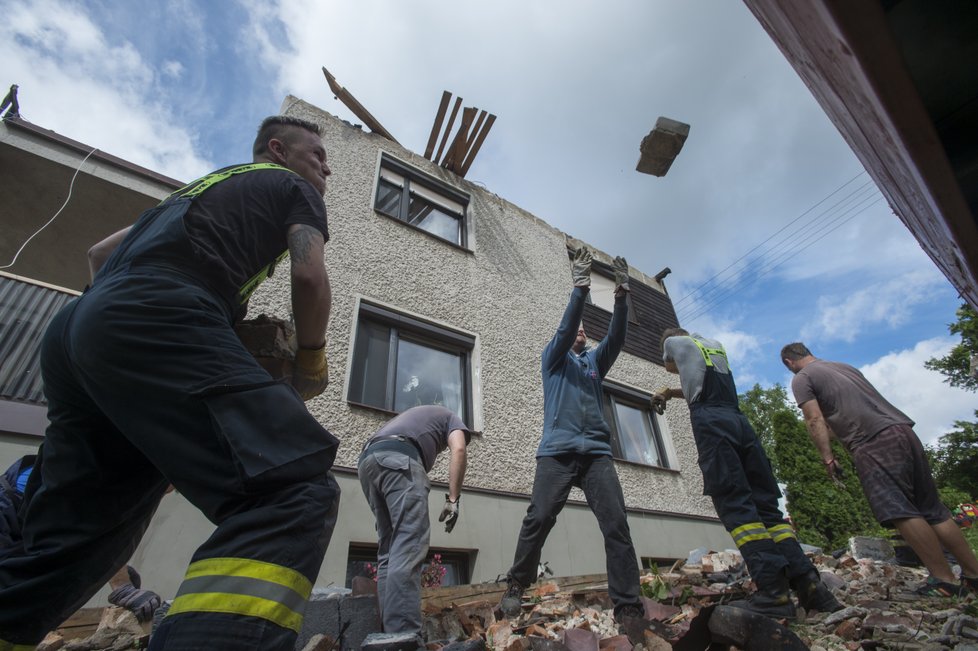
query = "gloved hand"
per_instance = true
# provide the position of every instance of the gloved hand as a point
(659, 400)
(311, 372)
(620, 267)
(835, 472)
(449, 513)
(581, 267)
(141, 603)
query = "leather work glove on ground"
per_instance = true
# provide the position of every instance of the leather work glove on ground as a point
(141, 603)
(581, 267)
(449, 513)
(311, 373)
(620, 267)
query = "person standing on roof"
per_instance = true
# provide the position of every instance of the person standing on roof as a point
(737, 476)
(147, 385)
(393, 472)
(837, 400)
(576, 450)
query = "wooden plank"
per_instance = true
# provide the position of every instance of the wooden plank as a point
(358, 109)
(477, 146)
(492, 591)
(82, 624)
(448, 129)
(457, 150)
(436, 127)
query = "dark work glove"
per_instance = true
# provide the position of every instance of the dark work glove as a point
(141, 603)
(835, 472)
(581, 267)
(449, 513)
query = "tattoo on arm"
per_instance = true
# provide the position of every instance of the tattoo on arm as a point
(302, 244)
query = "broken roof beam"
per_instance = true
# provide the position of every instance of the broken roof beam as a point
(356, 107)
(478, 145)
(457, 151)
(446, 97)
(448, 129)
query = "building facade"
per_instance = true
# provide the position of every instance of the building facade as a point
(445, 293)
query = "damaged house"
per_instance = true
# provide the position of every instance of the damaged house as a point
(443, 292)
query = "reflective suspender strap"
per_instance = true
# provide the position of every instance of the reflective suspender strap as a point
(246, 290)
(243, 586)
(710, 351)
(10, 646)
(749, 532)
(781, 532)
(195, 188)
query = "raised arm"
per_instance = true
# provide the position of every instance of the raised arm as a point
(566, 333)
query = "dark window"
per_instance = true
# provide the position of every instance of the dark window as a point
(421, 201)
(400, 362)
(635, 434)
(361, 560)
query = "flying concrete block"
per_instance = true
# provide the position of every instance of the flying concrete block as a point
(661, 146)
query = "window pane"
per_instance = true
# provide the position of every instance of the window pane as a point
(368, 382)
(602, 292)
(427, 376)
(426, 216)
(388, 198)
(635, 436)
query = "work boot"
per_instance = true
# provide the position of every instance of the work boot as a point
(776, 604)
(813, 595)
(512, 602)
(631, 622)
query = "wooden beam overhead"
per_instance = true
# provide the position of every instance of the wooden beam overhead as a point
(356, 107)
(477, 146)
(446, 97)
(457, 151)
(448, 129)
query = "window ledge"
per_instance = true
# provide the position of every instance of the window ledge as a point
(639, 464)
(403, 223)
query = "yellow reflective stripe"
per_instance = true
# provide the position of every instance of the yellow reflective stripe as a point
(253, 582)
(195, 188)
(10, 646)
(781, 532)
(749, 532)
(710, 351)
(249, 287)
(237, 604)
(252, 569)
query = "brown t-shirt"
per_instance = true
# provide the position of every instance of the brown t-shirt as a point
(853, 408)
(429, 425)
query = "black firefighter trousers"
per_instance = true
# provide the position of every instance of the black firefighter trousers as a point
(147, 385)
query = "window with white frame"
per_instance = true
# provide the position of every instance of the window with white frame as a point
(635, 432)
(400, 362)
(414, 198)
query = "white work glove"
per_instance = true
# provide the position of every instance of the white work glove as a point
(581, 267)
(449, 513)
(620, 267)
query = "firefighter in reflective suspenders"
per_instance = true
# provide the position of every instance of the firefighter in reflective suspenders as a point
(147, 384)
(737, 476)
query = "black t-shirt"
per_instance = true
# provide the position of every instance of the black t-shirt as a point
(239, 225)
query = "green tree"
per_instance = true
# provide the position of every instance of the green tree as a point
(824, 514)
(955, 459)
(956, 365)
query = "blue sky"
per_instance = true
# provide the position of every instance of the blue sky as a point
(180, 87)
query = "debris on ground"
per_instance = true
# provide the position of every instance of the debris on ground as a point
(686, 608)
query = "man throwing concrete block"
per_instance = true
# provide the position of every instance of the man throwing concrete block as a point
(576, 451)
(393, 471)
(836, 399)
(737, 476)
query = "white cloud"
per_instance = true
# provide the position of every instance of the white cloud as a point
(920, 393)
(173, 69)
(73, 81)
(890, 303)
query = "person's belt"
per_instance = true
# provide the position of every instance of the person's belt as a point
(396, 443)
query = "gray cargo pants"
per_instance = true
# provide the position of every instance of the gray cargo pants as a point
(396, 487)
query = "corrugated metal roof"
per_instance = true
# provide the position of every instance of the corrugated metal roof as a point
(25, 311)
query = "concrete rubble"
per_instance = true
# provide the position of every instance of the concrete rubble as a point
(685, 606)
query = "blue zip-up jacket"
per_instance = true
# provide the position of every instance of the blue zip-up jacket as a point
(573, 406)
